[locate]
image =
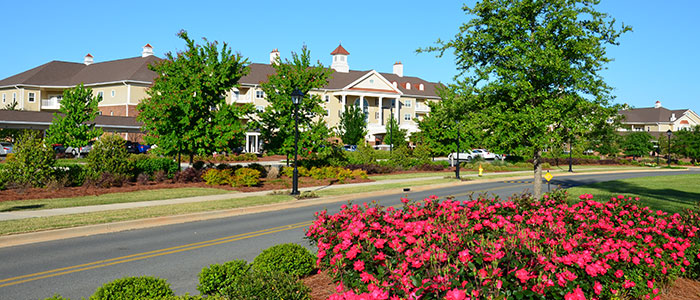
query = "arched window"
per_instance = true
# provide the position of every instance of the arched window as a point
(408, 85)
(421, 87)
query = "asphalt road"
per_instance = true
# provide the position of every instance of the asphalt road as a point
(75, 268)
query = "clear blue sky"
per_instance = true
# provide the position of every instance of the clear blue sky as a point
(658, 61)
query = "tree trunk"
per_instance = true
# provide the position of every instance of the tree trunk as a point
(191, 159)
(537, 182)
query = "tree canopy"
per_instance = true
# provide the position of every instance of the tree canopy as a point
(529, 72)
(353, 126)
(637, 144)
(74, 125)
(687, 143)
(186, 111)
(395, 136)
(276, 122)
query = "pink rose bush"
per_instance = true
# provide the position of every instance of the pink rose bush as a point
(493, 249)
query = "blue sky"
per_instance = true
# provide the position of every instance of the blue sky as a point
(658, 61)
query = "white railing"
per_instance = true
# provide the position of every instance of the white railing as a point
(242, 98)
(51, 103)
(422, 108)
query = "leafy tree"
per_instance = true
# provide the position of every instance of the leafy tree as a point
(108, 155)
(186, 112)
(276, 123)
(687, 143)
(394, 136)
(637, 144)
(353, 126)
(530, 72)
(439, 128)
(74, 125)
(33, 162)
(604, 139)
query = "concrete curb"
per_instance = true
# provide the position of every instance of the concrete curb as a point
(56, 234)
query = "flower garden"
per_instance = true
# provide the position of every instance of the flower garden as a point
(514, 249)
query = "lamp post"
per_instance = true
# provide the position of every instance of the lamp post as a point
(297, 95)
(457, 167)
(570, 170)
(668, 133)
(391, 127)
(656, 151)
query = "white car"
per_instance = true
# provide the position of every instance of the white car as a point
(5, 148)
(483, 153)
(463, 156)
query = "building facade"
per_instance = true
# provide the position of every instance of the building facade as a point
(124, 83)
(657, 120)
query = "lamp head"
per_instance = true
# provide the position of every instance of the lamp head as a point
(297, 95)
(668, 133)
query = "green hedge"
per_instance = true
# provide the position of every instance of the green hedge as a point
(214, 278)
(265, 285)
(135, 288)
(288, 258)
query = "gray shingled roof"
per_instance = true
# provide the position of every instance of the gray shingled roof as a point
(61, 73)
(650, 114)
(42, 120)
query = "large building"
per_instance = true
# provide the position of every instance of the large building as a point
(657, 120)
(123, 84)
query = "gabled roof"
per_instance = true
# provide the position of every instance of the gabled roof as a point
(650, 115)
(61, 73)
(340, 50)
(41, 120)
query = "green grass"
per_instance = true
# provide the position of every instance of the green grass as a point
(671, 194)
(144, 195)
(378, 187)
(67, 221)
(412, 175)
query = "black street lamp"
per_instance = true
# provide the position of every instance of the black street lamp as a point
(297, 95)
(457, 168)
(391, 127)
(669, 133)
(656, 151)
(570, 170)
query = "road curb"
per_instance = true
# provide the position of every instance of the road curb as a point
(56, 234)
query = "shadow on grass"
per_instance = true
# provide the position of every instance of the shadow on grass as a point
(666, 194)
(23, 207)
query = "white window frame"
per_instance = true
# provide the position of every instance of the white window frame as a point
(328, 98)
(14, 97)
(406, 117)
(4, 98)
(31, 97)
(376, 115)
(101, 94)
(260, 108)
(259, 94)
(407, 103)
(114, 93)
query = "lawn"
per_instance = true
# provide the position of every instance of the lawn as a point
(144, 195)
(672, 194)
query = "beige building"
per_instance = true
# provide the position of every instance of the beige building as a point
(123, 84)
(657, 120)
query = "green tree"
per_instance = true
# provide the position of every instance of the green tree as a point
(637, 144)
(13, 134)
(276, 123)
(530, 72)
(353, 126)
(439, 128)
(34, 161)
(74, 125)
(395, 136)
(108, 155)
(686, 142)
(186, 112)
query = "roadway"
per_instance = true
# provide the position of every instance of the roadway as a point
(76, 267)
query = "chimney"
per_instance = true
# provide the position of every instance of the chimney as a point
(658, 104)
(88, 59)
(147, 50)
(274, 56)
(673, 117)
(398, 69)
(340, 60)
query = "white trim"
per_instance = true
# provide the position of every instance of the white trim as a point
(70, 86)
(110, 105)
(370, 73)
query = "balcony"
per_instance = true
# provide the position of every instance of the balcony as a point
(51, 103)
(237, 98)
(422, 108)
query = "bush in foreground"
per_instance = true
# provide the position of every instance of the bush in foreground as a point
(265, 285)
(214, 278)
(489, 248)
(128, 288)
(288, 258)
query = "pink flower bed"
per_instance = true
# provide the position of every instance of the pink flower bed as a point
(488, 249)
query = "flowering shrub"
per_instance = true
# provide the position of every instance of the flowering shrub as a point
(487, 249)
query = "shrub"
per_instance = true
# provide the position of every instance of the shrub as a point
(259, 167)
(214, 278)
(73, 175)
(56, 297)
(106, 180)
(288, 258)
(218, 177)
(273, 173)
(142, 179)
(150, 165)
(362, 155)
(160, 176)
(33, 162)
(373, 168)
(133, 288)
(108, 155)
(188, 175)
(400, 157)
(422, 154)
(289, 171)
(247, 177)
(266, 284)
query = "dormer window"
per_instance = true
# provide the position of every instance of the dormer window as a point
(408, 85)
(421, 87)
(395, 84)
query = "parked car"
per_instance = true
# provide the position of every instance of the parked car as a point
(463, 156)
(350, 148)
(132, 147)
(483, 153)
(84, 150)
(5, 148)
(59, 148)
(144, 148)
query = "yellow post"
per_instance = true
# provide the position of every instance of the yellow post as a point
(481, 170)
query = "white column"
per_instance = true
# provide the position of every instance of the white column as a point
(344, 103)
(247, 145)
(381, 111)
(362, 104)
(396, 112)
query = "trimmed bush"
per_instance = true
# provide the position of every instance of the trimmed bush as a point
(73, 175)
(142, 164)
(218, 177)
(128, 288)
(109, 154)
(267, 284)
(33, 162)
(188, 175)
(247, 177)
(288, 258)
(259, 167)
(215, 278)
(57, 297)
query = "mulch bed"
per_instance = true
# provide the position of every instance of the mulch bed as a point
(321, 285)
(70, 192)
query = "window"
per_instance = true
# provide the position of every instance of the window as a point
(407, 103)
(99, 113)
(14, 97)
(371, 81)
(407, 117)
(114, 93)
(408, 85)
(328, 98)
(101, 94)
(376, 115)
(421, 87)
(260, 108)
(31, 97)
(4, 98)
(259, 94)
(111, 113)
(342, 58)
(236, 95)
